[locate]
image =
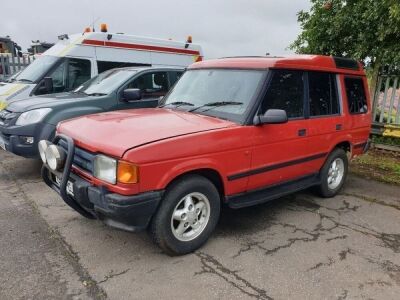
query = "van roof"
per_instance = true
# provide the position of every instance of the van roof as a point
(302, 62)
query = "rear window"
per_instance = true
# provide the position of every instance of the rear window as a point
(356, 98)
(323, 94)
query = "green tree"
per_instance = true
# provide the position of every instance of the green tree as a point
(367, 30)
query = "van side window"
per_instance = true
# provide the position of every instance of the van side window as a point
(357, 100)
(107, 65)
(79, 71)
(323, 94)
(152, 85)
(286, 92)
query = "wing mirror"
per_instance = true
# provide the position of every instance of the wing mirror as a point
(271, 116)
(132, 95)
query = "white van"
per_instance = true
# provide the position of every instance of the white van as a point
(76, 58)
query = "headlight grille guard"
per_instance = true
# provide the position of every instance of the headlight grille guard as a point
(45, 172)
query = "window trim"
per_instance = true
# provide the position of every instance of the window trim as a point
(365, 93)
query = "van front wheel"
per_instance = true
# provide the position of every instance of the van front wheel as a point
(333, 174)
(187, 215)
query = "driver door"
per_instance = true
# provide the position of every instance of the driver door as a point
(280, 150)
(153, 85)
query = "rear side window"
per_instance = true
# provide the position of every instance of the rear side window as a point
(107, 65)
(323, 94)
(286, 92)
(356, 98)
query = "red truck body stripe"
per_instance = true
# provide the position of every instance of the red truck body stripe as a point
(140, 47)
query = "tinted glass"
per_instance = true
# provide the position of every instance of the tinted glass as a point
(108, 65)
(357, 100)
(286, 92)
(79, 71)
(151, 84)
(323, 94)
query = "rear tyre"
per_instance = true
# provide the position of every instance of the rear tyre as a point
(187, 215)
(333, 174)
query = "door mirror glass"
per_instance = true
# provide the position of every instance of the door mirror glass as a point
(271, 116)
(131, 95)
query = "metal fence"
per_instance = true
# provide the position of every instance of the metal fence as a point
(10, 64)
(386, 106)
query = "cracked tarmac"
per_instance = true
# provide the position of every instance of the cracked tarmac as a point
(297, 247)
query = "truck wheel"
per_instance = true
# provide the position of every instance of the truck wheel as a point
(187, 215)
(333, 174)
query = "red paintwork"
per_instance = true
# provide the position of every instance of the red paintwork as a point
(168, 143)
(139, 47)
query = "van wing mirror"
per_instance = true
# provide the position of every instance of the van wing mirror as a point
(271, 116)
(131, 95)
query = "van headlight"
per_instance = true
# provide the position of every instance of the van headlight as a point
(113, 171)
(32, 116)
(105, 168)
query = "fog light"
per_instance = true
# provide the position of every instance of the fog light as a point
(43, 144)
(28, 140)
(55, 157)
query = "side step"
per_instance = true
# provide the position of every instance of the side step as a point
(272, 192)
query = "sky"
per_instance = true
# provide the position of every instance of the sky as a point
(221, 27)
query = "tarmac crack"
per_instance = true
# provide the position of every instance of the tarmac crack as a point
(213, 266)
(112, 275)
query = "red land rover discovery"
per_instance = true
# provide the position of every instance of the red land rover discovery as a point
(236, 132)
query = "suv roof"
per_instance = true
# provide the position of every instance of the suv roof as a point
(303, 62)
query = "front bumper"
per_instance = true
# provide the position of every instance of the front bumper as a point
(14, 143)
(131, 213)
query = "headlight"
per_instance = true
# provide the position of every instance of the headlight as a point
(32, 116)
(112, 170)
(43, 144)
(105, 168)
(55, 157)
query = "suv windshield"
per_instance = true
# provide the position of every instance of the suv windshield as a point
(37, 69)
(226, 94)
(106, 82)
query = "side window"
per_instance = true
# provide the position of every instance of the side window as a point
(152, 85)
(286, 91)
(79, 71)
(356, 98)
(174, 77)
(323, 94)
(59, 78)
(107, 65)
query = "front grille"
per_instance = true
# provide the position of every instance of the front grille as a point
(82, 159)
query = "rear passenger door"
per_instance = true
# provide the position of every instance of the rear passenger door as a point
(281, 150)
(326, 120)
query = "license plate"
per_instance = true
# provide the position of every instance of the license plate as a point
(70, 186)
(2, 143)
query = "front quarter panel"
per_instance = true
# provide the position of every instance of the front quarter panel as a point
(59, 115)
(225, 151)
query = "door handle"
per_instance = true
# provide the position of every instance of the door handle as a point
(302, 132)
(339, 126)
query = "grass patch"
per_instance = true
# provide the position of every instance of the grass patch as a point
(379, 165)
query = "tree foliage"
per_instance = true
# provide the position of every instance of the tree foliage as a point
(368, 30)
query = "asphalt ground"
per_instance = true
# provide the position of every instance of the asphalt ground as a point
(297, 247)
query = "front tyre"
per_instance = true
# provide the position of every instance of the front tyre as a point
(187, 215)
(333, 174)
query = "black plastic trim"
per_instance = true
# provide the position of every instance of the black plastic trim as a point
(276, 166)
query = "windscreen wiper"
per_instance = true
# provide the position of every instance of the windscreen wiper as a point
(216, 104)
(178, 103)
(25, 80)
(97, 94)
